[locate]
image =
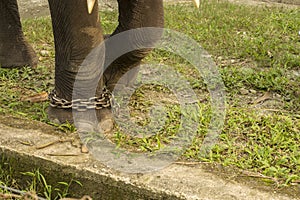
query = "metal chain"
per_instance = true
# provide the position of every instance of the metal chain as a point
(104, 101)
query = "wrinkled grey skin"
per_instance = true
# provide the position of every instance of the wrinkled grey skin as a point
(76, 33)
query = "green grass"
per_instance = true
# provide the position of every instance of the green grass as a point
(36, 185)
(256, 49)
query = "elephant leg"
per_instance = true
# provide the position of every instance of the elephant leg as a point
(14, 50)
(76, 34)
(133, 14)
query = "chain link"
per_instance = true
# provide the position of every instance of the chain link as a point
(81, 105)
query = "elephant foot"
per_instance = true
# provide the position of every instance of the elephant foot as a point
(88, 121)
(60, 116)
(17, 55)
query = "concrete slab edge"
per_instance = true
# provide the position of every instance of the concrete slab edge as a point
(99, 186)
(174, 182)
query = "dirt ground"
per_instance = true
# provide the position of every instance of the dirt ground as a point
(36, 8)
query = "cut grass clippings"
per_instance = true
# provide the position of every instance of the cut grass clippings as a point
(257, 51)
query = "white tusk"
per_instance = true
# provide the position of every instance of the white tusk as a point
(197, 2)
(90, 5)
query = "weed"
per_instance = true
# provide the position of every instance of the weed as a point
(37, 183)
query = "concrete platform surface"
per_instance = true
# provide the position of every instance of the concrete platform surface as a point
(20, 141)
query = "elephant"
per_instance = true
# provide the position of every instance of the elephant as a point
(77, 31)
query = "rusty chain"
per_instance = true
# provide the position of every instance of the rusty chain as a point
(105, 100)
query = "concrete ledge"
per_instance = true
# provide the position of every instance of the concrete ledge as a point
(174, 182)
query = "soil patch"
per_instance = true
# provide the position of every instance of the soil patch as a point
(37, 8)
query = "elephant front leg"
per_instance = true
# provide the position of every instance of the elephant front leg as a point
(77, 32)
(14, 49)
(133, 14)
